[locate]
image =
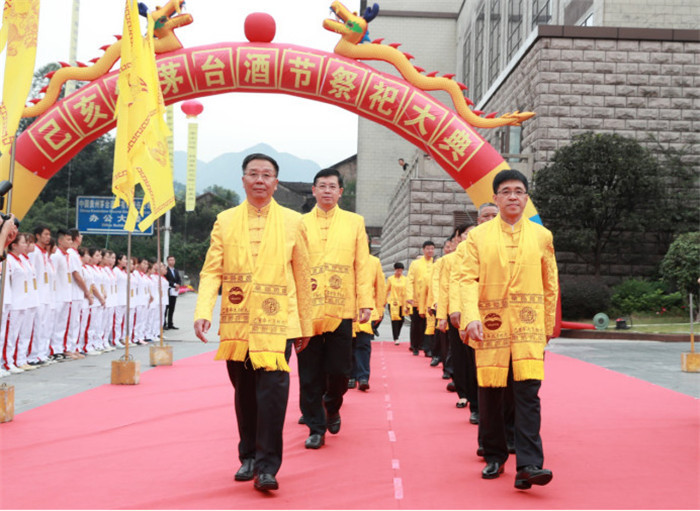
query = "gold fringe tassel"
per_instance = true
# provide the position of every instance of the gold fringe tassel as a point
(232, 350)
(269, 361)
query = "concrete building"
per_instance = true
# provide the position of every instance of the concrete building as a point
(631, 68)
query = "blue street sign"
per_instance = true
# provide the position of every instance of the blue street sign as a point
(94, 215)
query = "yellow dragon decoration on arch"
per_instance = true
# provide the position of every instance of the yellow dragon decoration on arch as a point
(355, 44)
(167, 19)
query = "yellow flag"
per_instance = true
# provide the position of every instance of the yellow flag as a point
(20, 25)
(141, 146)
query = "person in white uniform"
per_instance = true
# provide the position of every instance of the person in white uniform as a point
(80, 292)
(39, 257)
(120, 272)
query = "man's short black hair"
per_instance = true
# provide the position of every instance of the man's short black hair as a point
(40, 229)
(62, 232)
(398, 266)
(428, 243)
(508, 175)
(328, 173)
(74, 233)
(461, 228)
(260, 156)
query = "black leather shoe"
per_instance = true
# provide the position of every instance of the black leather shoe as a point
(172, 327)
(352, 383)
(461, 403)
(527, 476)
(480, 451)
(446, 375)
(265, 482)
(364, 385)
(301, 420)
(415, 353)
(247, 470)
(428, 353)
(451, 387)
(435, 361)
(315, 441)
(474, 418)
(333, 424)
(492, 470)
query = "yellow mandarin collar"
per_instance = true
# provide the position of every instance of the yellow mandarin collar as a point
(506, 227)
(326, 214)
(262, 212)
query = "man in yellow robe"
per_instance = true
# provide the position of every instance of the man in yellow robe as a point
(364, 332)
(508, 291)
(259, 257)
(419, 279)
(396, 297)
(341, 285)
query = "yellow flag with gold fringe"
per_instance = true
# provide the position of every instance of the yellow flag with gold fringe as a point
(20, 26)
(141, 146)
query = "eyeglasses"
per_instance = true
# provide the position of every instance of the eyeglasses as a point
(266, 176)
(325, 187)
(507, 193)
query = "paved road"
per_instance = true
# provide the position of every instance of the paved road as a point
(656, 362)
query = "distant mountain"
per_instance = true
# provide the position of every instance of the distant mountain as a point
(225, 170)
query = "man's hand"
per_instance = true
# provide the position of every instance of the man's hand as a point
(442, 325)
(455, 319)
(301, 343)
(410, 302)
(364, 315)
(201, 327)
(89, 297)
(9, 230)
(475, 331)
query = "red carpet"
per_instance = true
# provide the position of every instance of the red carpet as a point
(613, 442)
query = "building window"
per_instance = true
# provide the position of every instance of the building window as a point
(588, 21)
(510, 141)
(541, 14)
(479, 53)
(515, 22)
(495, 40)
(467, 58)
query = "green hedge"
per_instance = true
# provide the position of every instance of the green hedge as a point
(643, 296)
(583, 296)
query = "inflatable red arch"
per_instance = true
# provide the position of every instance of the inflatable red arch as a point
(67, 126)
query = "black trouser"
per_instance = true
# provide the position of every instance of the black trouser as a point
(261, 404)
(169, 310)
(472, 385)
(492, 422)
(459, 362)
(417, 331)
(441, 346)
(324, 370)
(396, 324)
(361, 354)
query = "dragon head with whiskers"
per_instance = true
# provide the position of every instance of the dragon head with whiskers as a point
(351, 26)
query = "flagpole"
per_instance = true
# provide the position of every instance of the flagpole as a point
(128, 295)
(160, 287)
(13, 149)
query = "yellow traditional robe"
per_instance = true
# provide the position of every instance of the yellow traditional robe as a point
(446, 302)
(374, 266)
(508, 280)
(419, 275)
(396, 288)
(260, 259)
(339, 253)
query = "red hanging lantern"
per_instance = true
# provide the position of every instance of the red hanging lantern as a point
(192, 108)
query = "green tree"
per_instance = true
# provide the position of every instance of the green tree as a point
(681, 264)
(595, 189)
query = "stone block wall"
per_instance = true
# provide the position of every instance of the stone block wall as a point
(421, 209)
(638, 88)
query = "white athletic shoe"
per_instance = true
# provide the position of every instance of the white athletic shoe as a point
(15, 370)
(4, 373)
(108, 349)
(93, 352)
(119, 344)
